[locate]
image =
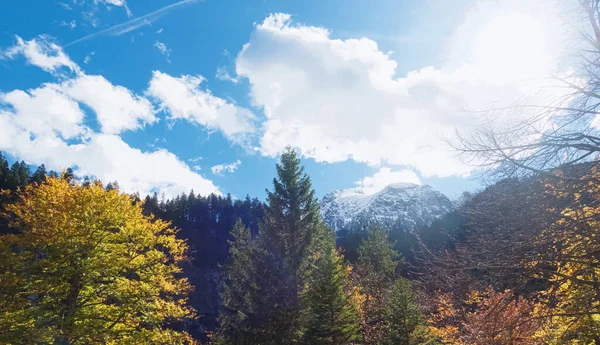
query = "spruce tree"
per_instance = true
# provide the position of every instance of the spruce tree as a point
(404, 322)
(376, 269)
(330, 316)
(290, 230)
(18, 177)
(39, 176)
(279, 261)
(292, 216)
(4, 171)
(236, 290)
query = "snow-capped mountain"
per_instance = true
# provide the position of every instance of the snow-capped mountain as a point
(413, 205)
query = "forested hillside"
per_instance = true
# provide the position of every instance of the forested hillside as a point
(490, 271)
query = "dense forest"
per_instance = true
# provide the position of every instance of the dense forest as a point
(514, 264)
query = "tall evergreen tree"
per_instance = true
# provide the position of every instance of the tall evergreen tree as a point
(376, 269)
(4, 171)
(291, 227)
(330, 315)
(68, 174)
(39, 175)
(404, 322)
(18, 177)
(236, 290)
(281, 257)
(292, 215)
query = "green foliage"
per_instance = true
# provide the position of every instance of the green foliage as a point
(376, 270)
(404, 322)
(330, 316)
(39, 176)
(275, 266)
(237, 290)
(377, 261)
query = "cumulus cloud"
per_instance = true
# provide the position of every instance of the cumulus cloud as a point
(106, 157)
(385, 177)
(47, 125)
(183, 98)
(343, 99)
(116, 107)
(44, 111)
(41, 52)
(220, 169)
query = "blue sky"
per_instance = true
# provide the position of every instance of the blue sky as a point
(167, 96)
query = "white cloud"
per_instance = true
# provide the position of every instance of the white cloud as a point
(183, 98)
(159, 31)
(47, 125)
(118, 3)
(72, 24)
(385, 177)
(88, 58)
(342, 99)
(66, 6)
(195, 159)
(106, 157)
(197, 167)
(44, 111)
(116, 107)
(163, 49)
(41, 52)
(223, 74)
(220, 169)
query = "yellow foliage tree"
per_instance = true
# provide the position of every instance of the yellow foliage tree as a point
(571, 263)
(85, 266)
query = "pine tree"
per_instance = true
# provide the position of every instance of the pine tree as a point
(281, 257)
(39, 176)
(291, 228)
(376, 270)
(4, 171)
(292, 212)
(404, 322)
(330, 317)
(69, 174)
(18, 177)
(236, 291)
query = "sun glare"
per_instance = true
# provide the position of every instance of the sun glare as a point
(512, 48)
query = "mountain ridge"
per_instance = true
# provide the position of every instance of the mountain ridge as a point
(412, 204)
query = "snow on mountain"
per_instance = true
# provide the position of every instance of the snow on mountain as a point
(413, 205)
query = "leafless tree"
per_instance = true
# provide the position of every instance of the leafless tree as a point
(564, 131)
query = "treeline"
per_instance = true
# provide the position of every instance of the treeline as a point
(515, 264)
(83, 263)
(205, 223)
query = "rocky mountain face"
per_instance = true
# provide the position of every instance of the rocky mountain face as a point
(412, 205)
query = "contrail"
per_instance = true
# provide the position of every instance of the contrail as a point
(132, 24)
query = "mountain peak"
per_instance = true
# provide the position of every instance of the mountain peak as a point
(412, 204)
